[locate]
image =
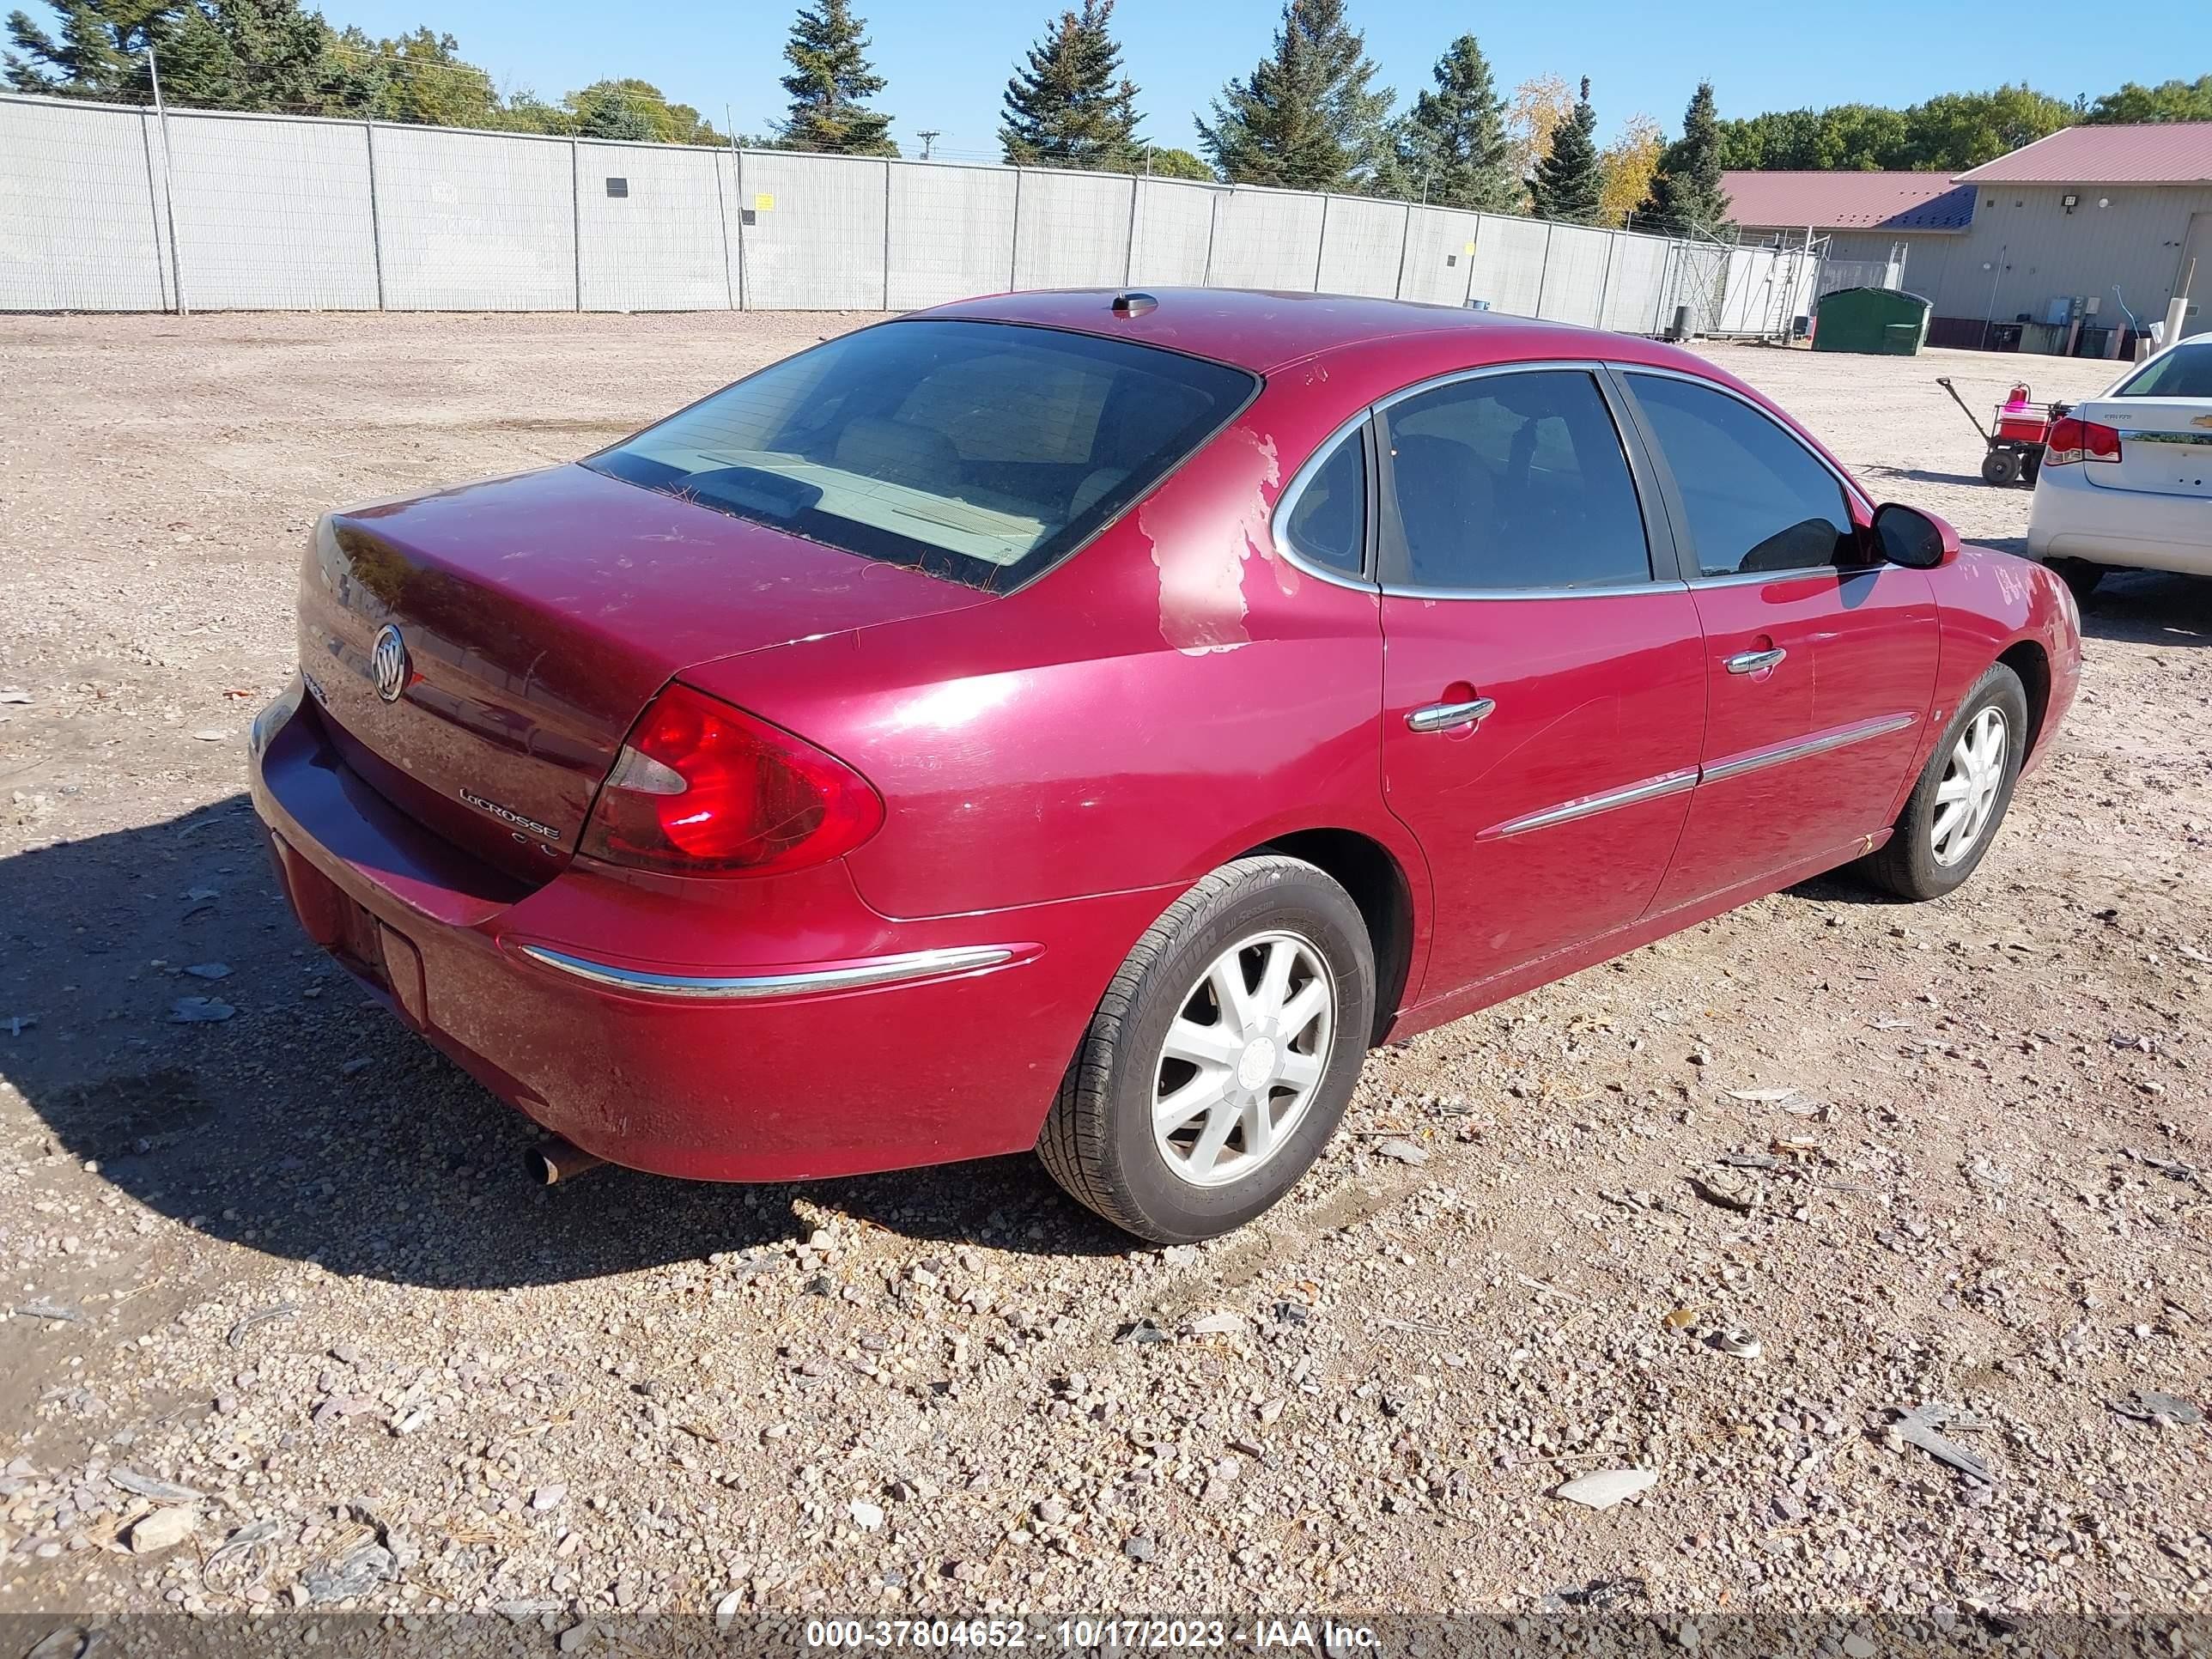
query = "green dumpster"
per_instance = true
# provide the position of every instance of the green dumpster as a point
(1878, 321)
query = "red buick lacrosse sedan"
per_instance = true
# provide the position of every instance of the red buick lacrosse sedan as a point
(1090, 722)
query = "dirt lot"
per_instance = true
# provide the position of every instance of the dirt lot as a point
(287, 1260)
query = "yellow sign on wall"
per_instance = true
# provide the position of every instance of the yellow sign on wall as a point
(764, 203)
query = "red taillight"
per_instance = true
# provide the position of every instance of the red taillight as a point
(704, 789)
(2073, 440)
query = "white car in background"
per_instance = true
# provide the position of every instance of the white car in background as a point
(2126, 482)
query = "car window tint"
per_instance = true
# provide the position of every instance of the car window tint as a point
(2184, 372)
(1513, 481)
(1327, 523)
(1757, 499)
(981, 451)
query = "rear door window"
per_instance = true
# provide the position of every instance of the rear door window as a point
(1512, 482)
(984, 452)
(1758, 500)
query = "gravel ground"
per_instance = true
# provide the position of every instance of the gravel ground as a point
(277, 1279)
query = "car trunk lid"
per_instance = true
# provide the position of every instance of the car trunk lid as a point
(537, 615)
(2166, 444)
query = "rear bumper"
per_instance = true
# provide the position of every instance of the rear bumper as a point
(800, 1034)
(2071, 518)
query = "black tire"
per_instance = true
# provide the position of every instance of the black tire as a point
(1097, 1140)
(2000, 466)
(1906, 863)
(2080, 576)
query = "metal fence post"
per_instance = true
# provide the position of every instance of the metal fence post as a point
(1321, 244)
(722, 210)
(168, 188)
(1129, 254)
(375, 219)
(1472, 242)
(1544, 270)
(1212, 223)
(1605, 277)
(744, 292)
(1405, 235)
(1014, 236)
(888, 164)
(576, 215)
(153, 208)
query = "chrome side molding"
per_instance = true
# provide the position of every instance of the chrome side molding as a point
(1666, 783)
(1758, 759)
(878, 970)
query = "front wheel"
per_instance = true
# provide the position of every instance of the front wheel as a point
(1962, 793)
(1222, 1056)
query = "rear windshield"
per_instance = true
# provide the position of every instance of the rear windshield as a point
(984, 452)
(2184, 372)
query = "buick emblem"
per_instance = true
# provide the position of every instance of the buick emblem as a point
(387, 663)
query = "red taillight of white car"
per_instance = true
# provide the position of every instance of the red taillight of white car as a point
(2073, 440)
(704, 789)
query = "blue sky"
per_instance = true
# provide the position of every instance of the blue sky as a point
(947, 64)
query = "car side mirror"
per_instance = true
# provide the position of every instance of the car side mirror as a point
(1918, 541)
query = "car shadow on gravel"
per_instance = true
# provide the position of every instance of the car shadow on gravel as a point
(307, 1123)
(2150, 607)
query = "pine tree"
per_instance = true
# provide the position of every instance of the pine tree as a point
(830, 78)
(1569, 180)
(1454, 140)
(1687, 198)
(1071, 106)
(1305, 117)
(101, 53)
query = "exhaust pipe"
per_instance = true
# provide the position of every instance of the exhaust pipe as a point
(556, 1162)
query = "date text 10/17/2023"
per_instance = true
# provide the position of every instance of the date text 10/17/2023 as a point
(1093, 1633)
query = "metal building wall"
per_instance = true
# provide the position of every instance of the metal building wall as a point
(661, 245)
(1172, 244)
(1071, 230)
(2024, 249)
(1439, 256)
(1266, 239)
(474, 222)
(953, 227)
(80, 210)
(815, 241)
(1362, 245)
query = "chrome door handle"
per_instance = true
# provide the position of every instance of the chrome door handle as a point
(1750, 662)
(1449, 716)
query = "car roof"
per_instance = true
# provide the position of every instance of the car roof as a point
(1265, 331)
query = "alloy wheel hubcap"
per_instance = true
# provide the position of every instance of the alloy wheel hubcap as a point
(1965, 797)
(1242, 1059)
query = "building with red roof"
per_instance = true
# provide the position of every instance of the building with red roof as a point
(2056, 245)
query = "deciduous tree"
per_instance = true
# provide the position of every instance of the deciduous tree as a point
(1626, 166)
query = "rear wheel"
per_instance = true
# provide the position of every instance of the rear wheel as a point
(1962, 793)
(2000, 466)
(1222, 1056)
(2079, 574)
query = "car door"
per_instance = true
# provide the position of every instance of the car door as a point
(1821, 660)
(1543, 673)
